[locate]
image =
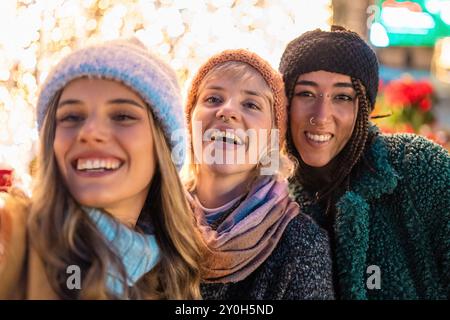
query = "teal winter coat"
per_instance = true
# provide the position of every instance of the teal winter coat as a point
(396, 219)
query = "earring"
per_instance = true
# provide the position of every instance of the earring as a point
(311, 121)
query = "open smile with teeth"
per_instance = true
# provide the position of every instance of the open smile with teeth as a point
(319, 138)
(226, 137)
(97, 165)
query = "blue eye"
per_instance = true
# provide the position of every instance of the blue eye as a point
(251, 105)
(213, 100)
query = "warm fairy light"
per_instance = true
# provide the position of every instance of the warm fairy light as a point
(36, 34)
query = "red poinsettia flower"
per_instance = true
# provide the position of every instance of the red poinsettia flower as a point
(425, 105)
(407, 93)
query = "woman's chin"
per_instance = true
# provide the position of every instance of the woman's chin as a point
(93, 200)
(316, 162)
(230, 169)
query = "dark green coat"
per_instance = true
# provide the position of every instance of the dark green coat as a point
(396, 218)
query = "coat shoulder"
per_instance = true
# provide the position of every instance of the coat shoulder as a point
(411, 151)
(302, 261)
(303, 232)
(423, 167)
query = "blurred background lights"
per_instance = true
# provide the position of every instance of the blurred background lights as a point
(38, 33)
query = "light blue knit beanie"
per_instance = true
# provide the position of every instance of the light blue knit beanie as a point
(129, 62)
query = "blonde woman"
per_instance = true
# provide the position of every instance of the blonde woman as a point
(259, 244)
(108, 201)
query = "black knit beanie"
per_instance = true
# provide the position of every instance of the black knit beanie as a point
(339, 50)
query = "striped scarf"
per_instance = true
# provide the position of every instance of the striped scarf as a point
(249, 234)
(138, 252)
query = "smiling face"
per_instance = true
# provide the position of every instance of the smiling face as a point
(104, 146)
(322, 115)
(230, 105)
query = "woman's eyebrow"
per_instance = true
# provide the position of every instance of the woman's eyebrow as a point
(252, 93)
(314, 84)
(343, 85)
(307, 83)
(126, 101)
(69, 102)
(114, 101)
(215, 88)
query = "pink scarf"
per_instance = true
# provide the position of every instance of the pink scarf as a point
(247, 237)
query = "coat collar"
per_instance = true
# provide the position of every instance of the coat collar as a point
(371, 184)
(384, 178)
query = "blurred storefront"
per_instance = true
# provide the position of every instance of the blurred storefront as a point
(412, 41)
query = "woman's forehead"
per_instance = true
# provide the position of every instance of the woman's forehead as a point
(245, 77)
(324, 77)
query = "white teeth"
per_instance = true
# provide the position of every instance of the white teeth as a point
(319, 137)
(115, 165)
(96, 164)
(218, 135)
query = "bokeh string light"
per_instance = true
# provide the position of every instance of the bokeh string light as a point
(36, 34)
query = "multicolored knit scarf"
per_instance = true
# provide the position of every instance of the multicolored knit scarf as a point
(249, 234)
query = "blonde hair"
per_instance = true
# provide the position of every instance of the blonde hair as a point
(63, 234)
(236, 70)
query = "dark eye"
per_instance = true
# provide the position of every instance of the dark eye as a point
(70, 118)
(123, 117)
(344, 97)
(307, 94)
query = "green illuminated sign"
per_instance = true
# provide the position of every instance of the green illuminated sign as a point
(409, 23)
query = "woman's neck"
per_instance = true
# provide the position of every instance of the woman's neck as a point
(127, 211)
(214, 190)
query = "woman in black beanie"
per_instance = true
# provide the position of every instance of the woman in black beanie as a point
(384, 199)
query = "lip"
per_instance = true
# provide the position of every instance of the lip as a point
(94, 174)
(319, 132)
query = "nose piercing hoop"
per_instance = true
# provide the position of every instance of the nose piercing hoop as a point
(224, 119)
(311, 121)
